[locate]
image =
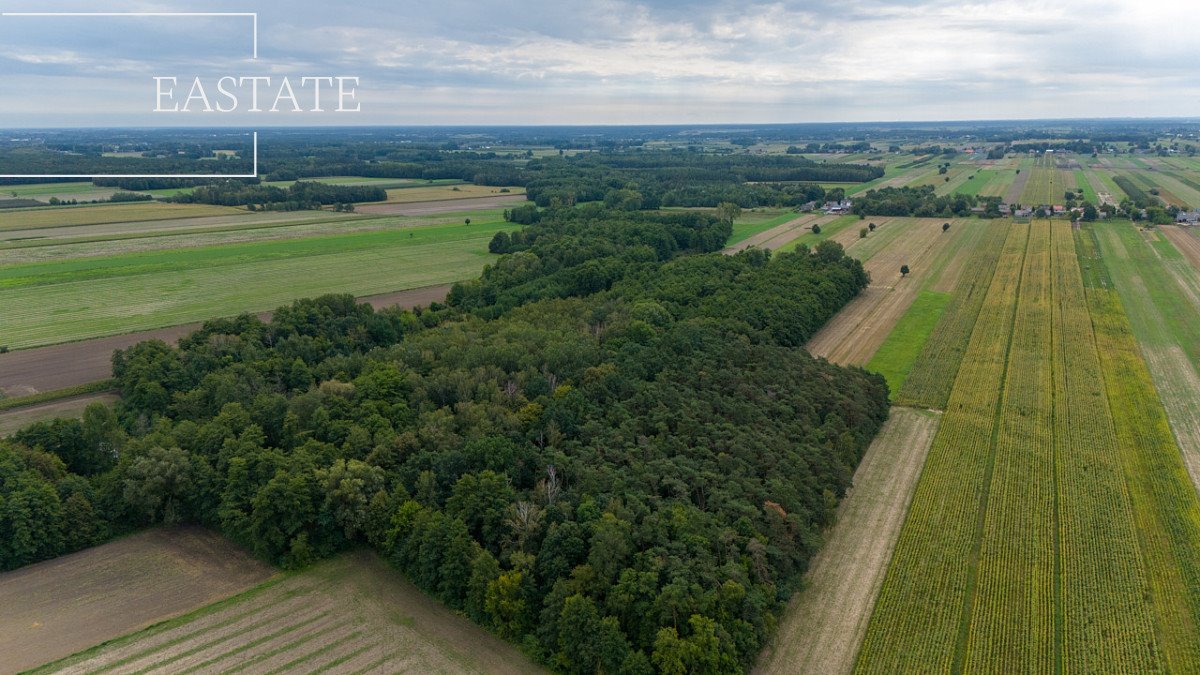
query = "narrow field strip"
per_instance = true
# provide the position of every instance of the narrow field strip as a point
(916, 623)
(932, 376)
(1107, 623)
(824, 625)
(1165, 502)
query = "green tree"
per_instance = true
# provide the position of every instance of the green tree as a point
(158, 483)
(904, 270)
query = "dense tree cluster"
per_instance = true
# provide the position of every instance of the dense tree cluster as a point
(922, 202)
(298, 196)
(654, 179)
(628, 477)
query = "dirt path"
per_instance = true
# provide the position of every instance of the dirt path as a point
(856, 333)
(442, 206)
(824, 625)
(29, 371)
(55, 608)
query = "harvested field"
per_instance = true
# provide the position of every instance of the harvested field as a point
(853, 336)
(19, 418)
(347, 615)
(30, 371)
(443, 206)
(57, 607)
(823, 627)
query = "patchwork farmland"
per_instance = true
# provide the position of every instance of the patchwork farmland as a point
(1052, 523)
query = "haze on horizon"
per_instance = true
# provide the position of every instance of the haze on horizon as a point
(618, 62)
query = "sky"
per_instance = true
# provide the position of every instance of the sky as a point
(454, 62)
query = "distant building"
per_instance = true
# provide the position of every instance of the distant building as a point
(1005, 209)
(1023, 213)
(1188, 217)
(838, 207)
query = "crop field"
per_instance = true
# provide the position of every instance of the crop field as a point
(57, 607)
(853, 336)
(60, 301)
(351, 614)
(72, 216)
(1042, 535)
(1161, 294)
(1044, 185)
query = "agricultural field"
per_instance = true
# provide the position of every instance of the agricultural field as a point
(789, 230)
(1160, 289)
(57, 607)
(1040, 529)
(346, 615)
(854, 335)
(752, 222)
(74, 299)
(73, 216)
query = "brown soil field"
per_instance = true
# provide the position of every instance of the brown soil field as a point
(19, 418)
(54, 608)
(823, 627)
(856, 332)
(443, 206)
(347, 615)
(780, 234)
(29, 371)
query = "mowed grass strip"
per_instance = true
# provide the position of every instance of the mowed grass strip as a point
(73, 216)
(74, 300)
(930, 379)
(1165, 503)
(917, 620)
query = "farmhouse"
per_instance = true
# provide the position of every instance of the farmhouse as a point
(1188, 217)
(842, 206)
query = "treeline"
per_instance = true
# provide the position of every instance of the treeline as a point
(625, 479)
(654, 179)
(298, 196)
(922, 202)
(815, 148)
(42, 160)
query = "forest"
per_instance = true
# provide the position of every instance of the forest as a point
(300, 195)
(610, 448)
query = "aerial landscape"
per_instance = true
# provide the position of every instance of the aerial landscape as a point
(614, 380)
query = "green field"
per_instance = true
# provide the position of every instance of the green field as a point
(65, 300)
(751, 223)
(899, 352)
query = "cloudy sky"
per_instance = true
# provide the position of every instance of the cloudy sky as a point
(616, 61)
